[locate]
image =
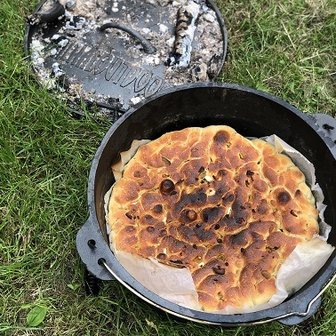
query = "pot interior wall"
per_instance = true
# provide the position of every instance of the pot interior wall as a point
(249, 113)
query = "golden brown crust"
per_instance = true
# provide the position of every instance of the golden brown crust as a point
(229, 209)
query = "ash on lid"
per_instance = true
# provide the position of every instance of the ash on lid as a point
(118, 52)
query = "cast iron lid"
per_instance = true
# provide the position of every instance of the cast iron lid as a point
(117, 52)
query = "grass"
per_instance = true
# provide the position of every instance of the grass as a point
(284, 47)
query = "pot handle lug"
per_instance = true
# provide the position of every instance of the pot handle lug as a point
(92, 248)
(147, 46)
(326, 126)
(298, 317)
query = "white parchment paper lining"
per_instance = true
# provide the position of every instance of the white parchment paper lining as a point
(176, 284)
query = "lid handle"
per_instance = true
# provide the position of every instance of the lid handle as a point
(148, 47)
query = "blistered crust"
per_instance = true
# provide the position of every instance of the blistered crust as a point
(229, 209)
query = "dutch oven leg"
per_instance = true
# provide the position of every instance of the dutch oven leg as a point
(91, 283)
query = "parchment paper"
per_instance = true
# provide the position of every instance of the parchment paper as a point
(176, 285)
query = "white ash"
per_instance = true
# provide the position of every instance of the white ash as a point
(146, 30)
(55, 37)
(57, 71)
(163, 28)
(63, 43)
(152, 2)
(136, 100)
(39, 61)
(61, 17)
(153, 59)
(170, 42)
(37, 58)
(209, 17)
(84, 8)
(87, 49)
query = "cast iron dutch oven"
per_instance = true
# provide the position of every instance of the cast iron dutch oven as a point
(251, 113)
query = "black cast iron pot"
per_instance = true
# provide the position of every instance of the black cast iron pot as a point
(251, 113)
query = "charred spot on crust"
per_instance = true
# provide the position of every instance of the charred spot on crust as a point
(210, 214)
(266, 275)
(218, 270)
(203, 234)
(185, 232)
(150, 229)
(229, 222)
(221, 137)
(256, 236)
(163, 233)
(240, 213)
(222, 172)
(176, 261)
(262, 207)
(297, 193)
(158, 208)
(148, 219)
(249, 173)
(270, 249)
(228, 198)
(137, 173)
(283, 197)
(240, 220)
(167, 186)
(129, 215)
(239, 239)
(165, 161)
(161, 256)
(130, 229)
(293, 213)
(198, 198)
